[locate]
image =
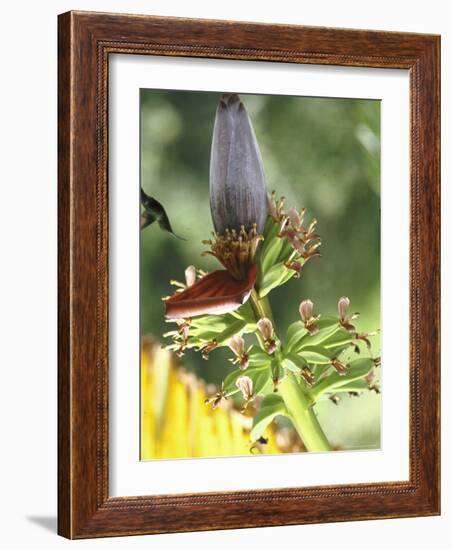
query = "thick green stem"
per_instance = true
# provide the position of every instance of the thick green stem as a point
(261, 307)
(297, 403)
(302, 415)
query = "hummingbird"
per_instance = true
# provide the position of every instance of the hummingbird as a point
(154, 212)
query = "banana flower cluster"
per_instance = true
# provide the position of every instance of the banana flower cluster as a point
(238, 206)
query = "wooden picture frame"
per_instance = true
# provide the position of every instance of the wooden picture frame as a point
(85, 42)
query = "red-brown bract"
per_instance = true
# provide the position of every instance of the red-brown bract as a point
(216, 293)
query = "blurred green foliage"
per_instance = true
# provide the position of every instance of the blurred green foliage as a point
(320, 153)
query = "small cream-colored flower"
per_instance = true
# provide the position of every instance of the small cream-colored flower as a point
(344, 319)
(342, 306)
(245, 385)
(295, 266)
(305, 242)
(308, 376)
(306, 309)
(306, 313)
(207, 348)
(295, 219)
(339, 366)
(237, 346)
(276, 207)
(217, 398)
(266, 329)
(190, 276)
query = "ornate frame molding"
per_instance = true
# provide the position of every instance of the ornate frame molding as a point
(85, 42)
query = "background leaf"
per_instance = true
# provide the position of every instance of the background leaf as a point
(358, 369)
(295, 333)
(272, 405)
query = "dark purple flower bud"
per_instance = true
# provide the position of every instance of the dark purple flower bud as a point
(238, 194)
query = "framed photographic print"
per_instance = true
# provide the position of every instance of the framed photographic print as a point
(248, 275)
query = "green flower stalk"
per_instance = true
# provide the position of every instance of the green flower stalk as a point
(261, 247)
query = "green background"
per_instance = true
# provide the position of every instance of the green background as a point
(320, 153)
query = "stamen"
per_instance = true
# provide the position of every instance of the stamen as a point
(235, 249)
